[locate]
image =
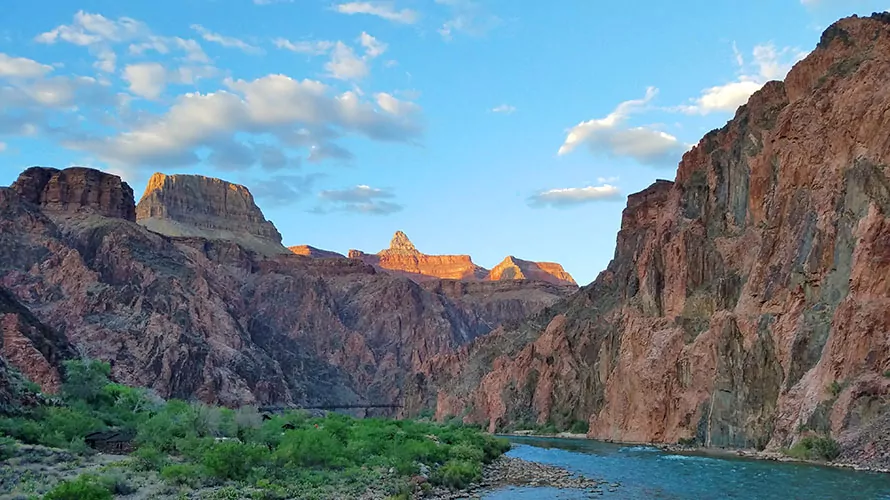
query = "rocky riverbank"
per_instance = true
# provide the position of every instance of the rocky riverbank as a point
(773, 456)
(508, 471)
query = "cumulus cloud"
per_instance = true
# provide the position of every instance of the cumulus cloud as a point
(314, 47)
(226, 41)
(345, 65)
(571, 197)
(146, 79)
(275, 104)
(99, 34)
(20, 67)
(373, 47)
(609, 135)
(385, 10)
(361, 199)
(503, 108)
(769, 63)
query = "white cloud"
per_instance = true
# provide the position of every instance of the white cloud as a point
(503, 108)
(361, 199)
(467, 16)
(385, 10)
(106, 60)
(20, 67)
(569, 197)
(226, 41)
(373, 47)
(147, 80)
(768, 64)
(315, 48)
(607, 135)
(345, 65)
(2, 147)
(298, 113)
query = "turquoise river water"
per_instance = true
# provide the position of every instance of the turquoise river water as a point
(645, 472)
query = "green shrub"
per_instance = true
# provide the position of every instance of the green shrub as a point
(233, 460)
(835, 388)
(311, 448)
(467, 453)
(457, 474)
(85, 487)
(8, 448)
(815, 448)
(85, 380)
(182, 474)
(887, 373)
(579, 427)
(149, 458)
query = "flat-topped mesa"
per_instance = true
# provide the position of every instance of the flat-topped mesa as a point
(205, 207)
(76, 190)
(512, 268)
(403, 257)
(317, 253)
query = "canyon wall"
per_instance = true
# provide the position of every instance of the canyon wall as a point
(195, 301)
(748, 301)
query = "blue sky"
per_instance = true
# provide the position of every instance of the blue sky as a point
(477, 127)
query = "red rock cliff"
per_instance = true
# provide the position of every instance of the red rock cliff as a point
(748, 302)
(512, 268)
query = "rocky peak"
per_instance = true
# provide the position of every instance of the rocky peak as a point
(512, 268)
(400, 244)
(76, 190)
(205, 207)
(311, 251)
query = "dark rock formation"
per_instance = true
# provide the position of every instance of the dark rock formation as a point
(76, 190)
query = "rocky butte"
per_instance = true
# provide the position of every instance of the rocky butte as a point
(204, 207)
(194, 296)
(748, 301)
(403, 258)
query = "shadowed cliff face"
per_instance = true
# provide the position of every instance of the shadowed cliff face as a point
(213, 318)
(738, 294)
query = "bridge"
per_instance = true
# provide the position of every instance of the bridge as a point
(277, 409)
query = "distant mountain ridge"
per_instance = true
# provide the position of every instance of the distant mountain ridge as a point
(403, 258)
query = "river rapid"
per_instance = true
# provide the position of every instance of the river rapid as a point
(643, 472)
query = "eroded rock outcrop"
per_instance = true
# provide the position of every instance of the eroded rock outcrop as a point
(404, 259)
(317, 253)
(512, 268)
(76, 190)
(211, 318)
(748, 302)
(204, 207)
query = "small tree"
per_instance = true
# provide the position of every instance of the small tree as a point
(85, 380)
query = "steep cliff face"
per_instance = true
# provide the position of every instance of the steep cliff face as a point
(317, 253)
(748, 301)
(204, 207)
(512, 268)
(211, 318)
(76, 190)
(402, 258)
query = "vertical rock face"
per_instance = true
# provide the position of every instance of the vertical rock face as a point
(204, 207)
(34, 349)
(76, 190)
(512, 268)
(747, 302)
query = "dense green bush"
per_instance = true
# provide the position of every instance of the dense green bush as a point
(579, 427)
(85, 487)
(8, 448)
(457, 474)
(233, 460)
(815, 448)
(182, 474)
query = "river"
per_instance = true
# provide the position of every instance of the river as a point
(645, 472)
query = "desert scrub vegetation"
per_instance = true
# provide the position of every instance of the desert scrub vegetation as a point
(195, 447)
